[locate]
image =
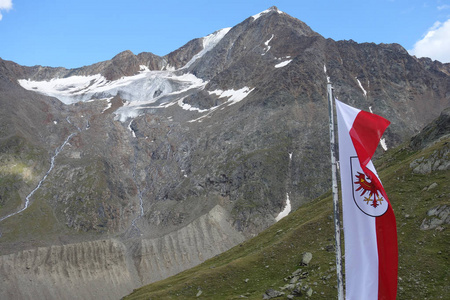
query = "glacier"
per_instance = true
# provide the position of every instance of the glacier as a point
(146, 86)
(138, 91)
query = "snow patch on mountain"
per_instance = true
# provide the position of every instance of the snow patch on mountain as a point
(232, 95)
(189, 107)
(283, 64)
(143, 68)
(133, 134)
(361, 87)
(125, 113)
(109, 104)
(266, 43)
(209, 42)
(286, 210)
(383, 144)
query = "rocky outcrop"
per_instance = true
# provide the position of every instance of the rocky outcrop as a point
(297, 284)
(437, 217)
(438, 160)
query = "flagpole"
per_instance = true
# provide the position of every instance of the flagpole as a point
(334, 189)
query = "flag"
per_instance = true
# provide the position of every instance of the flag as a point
(371, 253)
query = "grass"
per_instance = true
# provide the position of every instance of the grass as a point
(423, 255)
(249, 269)
(37, 221)
(20, 168)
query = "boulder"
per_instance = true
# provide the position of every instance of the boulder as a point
(436, 216)
(306, 258)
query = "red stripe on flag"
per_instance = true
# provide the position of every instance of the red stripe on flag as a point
(387, 255)
(366, 133)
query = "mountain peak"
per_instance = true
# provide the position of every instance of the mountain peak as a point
(123, 54)
(270, 10)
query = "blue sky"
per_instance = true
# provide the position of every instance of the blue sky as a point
(77, 33)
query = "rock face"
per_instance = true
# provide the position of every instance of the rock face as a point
(440, 127)
(173, 159)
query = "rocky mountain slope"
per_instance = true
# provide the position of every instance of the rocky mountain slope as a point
(295, 259)
(186, 154)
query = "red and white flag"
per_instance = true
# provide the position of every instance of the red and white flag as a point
(371, 253)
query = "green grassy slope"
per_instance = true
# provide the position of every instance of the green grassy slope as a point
(21, 166)
(251, 268)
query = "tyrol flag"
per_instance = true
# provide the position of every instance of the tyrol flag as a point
(371, 253)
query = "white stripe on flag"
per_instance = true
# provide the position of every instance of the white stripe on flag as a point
(361, 254)
(369, 221)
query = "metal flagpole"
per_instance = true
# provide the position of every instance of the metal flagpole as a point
(334, 189)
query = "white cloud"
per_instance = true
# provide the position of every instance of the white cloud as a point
(442, 7)
(435, 44)
(5, 5)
